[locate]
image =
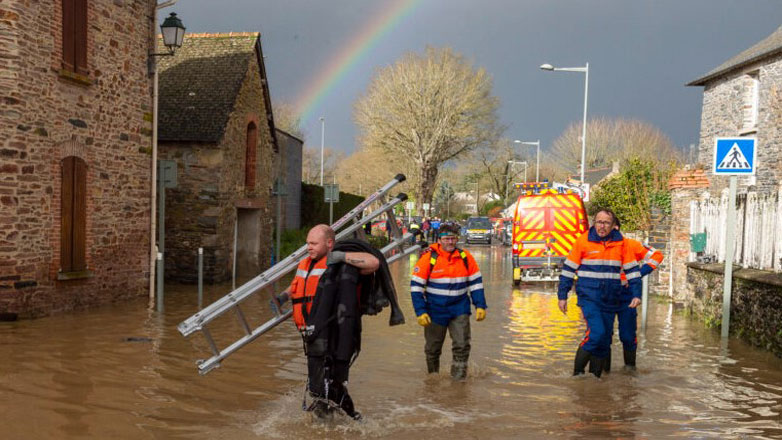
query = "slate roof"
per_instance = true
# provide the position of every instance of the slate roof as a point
(593, 176)
(198, 86)
(769, 46)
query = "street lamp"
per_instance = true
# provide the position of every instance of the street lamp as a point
(322, 140)
(173, 32)
(537, 164)
(584, 69)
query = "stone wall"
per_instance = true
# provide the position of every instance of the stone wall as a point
(288, 167)
(756, 300)
(103, 118)
(723, 116)
(660, 239)
(202, 210)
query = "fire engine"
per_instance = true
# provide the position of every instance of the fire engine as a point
(546, 223)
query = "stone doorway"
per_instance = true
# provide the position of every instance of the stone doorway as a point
(248, 262)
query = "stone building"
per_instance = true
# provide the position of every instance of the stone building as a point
(216, 123)
(741, 98)
(75, 162)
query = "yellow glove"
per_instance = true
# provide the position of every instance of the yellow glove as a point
(480, 314)
(424, 320)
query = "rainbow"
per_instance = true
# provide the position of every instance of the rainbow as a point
(363, 41)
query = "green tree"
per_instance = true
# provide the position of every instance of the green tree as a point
(631, 194)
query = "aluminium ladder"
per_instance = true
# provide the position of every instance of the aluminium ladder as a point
(231, 301)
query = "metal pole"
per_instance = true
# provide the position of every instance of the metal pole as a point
(322, 142)
(729, 248)
(584, 129)
(160, 282)
(236, 241)
(644, 300)
(537, 165)
(200, 278)
(331, 211)
(279, 224)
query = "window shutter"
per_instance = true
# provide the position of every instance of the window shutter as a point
(80, 36)
(68, 62)
(66, 223)
(79, 215)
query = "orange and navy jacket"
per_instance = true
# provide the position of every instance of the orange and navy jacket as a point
(441, 290)
(598, 264)
(647, 257)
(303, 288)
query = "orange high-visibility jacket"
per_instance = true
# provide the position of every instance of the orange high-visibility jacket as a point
(648, 257)
(303, 288)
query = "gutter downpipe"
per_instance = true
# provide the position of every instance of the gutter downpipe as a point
(153, 182)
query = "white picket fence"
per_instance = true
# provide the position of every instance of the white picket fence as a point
(758, 239)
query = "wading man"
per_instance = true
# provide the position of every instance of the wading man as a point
(439, 285)
(598, 258)
(325, 298)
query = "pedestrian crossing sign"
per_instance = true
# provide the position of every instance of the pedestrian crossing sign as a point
(735, 156)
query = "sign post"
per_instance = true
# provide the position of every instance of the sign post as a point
(732, 157)
(331, 196)
(166, 178)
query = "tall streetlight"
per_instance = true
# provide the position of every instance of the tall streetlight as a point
(537, 163)
(584, 69)
(322, 141)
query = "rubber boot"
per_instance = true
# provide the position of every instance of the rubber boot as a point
(433, 366)
(607, 363)
(596, 366)
(582, 359)
(459, 370)
(629, 360)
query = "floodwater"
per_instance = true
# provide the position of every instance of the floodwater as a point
(124, 372)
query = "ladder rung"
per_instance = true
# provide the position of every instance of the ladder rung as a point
(242, 319)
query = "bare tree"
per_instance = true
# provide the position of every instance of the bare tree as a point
(310, 164)
(612, 139)
(428, 108)
(286, 119)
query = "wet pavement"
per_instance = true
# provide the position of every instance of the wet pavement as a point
(125, 372)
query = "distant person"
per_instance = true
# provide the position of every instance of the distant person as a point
(439, 286)
(598, 258)
(435, 227)
(426, 226)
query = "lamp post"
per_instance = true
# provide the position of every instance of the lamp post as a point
(322, 140)
(537, 161)
(173, 32)
(584, 69)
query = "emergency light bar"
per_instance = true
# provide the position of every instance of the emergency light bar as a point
(532, 187)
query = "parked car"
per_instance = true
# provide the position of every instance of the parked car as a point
(507, 234)
(478, 229)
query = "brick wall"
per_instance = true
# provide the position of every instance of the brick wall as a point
(103, 118)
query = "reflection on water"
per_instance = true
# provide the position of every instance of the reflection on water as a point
(125, 372)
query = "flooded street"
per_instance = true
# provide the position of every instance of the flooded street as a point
(125, 372)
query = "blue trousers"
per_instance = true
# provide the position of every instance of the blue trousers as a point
(628, 325)
(600, 327)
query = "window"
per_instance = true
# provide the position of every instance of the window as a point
(250, 154)
(751, 94)
(74, 36)
(73, 237)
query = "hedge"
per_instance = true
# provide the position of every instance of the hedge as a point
(315, 211)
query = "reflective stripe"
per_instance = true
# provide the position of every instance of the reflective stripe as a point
(649, 254)
(317, 272)
(474, 276)
(601, 262)
(448, 280)
(476, 287)
(417, 279)
(567, 274)
(417, 289)
(301, 273)
(446, 292)
(599, 275)
(630, 265)
(632, 275)
(571, 264)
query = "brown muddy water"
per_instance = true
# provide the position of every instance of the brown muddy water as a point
(124, 372)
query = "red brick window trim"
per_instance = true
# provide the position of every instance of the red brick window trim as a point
(74, 38)
(250, 156)
(73, 225)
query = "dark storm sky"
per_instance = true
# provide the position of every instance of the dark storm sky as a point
(640, 53)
